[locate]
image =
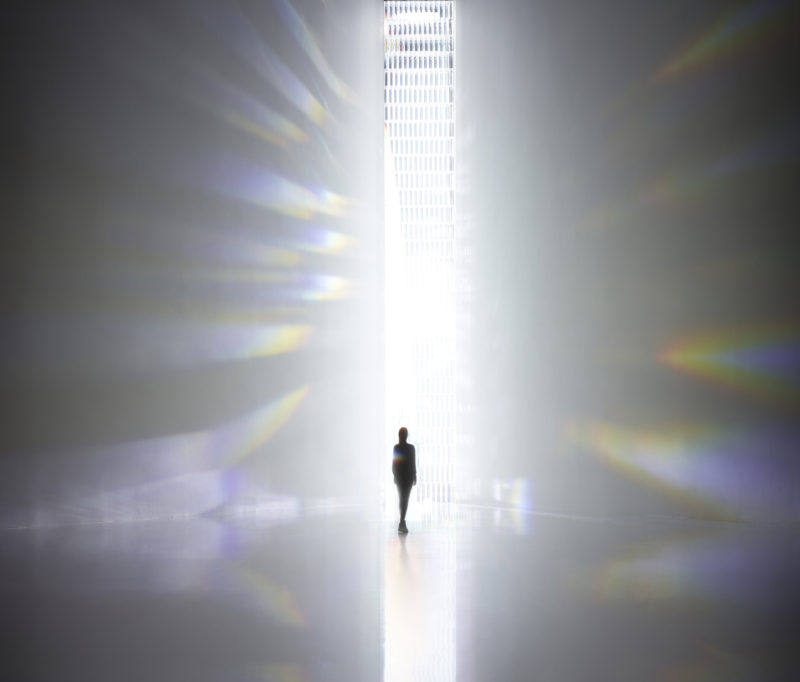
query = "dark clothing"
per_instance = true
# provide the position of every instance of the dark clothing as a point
(403, 493)
(404, 465)
(404, 469)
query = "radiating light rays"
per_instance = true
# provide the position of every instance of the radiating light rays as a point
(166, 65)
(761, 362)
(647, 572)
(710, 472)
(692, 564)
(305, 38)
(241, 179)
(272, 598)
(683, 185)
(209, 92)
(769, 150)
(151, 342)
(326, 288)
(281, 339)
(325, 241)
(195, 344)
(648, 113)
(696, 179)
(757, 23)
(264, 123)
(194, 248)
(251, 432)
(233, 253)
(290, 198)
(668, 461)
(236, 32)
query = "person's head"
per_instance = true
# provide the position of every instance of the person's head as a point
(402, 434)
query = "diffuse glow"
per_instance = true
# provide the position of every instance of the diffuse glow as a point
(420, 302)
(421, 235)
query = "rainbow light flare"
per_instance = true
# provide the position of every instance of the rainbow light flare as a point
(674, 462)
(273, 191)
(326, 288)
(167, 64)
(280, 339)
(202, 463)
(236, 32)
(760, 22)
(276, 600)
(282, 672)
(305, 38)
(688, 183)
(249, 433)
(162, 342)
(327, 242)
(759, 362)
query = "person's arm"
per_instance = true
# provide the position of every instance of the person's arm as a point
(413, 465)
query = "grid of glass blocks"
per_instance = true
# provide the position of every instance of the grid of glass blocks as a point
(419, 115)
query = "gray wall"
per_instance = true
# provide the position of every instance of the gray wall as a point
(192, 321)
(191, 298)
(630, 174)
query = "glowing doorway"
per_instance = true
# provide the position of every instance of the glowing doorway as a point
(421, 239)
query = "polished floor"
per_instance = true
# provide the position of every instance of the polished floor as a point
(470, 594)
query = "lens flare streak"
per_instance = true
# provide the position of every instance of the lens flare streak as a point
(305, 38)
(666, 462)
(759, 362)
(236, 32)
(760, 22)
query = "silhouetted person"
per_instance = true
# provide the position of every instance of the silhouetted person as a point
(404, 470)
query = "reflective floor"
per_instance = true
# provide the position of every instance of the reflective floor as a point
(470, 594)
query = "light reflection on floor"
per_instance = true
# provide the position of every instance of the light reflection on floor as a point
(471, 594)
(420, 603)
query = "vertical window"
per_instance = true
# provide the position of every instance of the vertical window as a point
(421, 277)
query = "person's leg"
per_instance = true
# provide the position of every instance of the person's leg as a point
(404, 492)
(400, 500)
